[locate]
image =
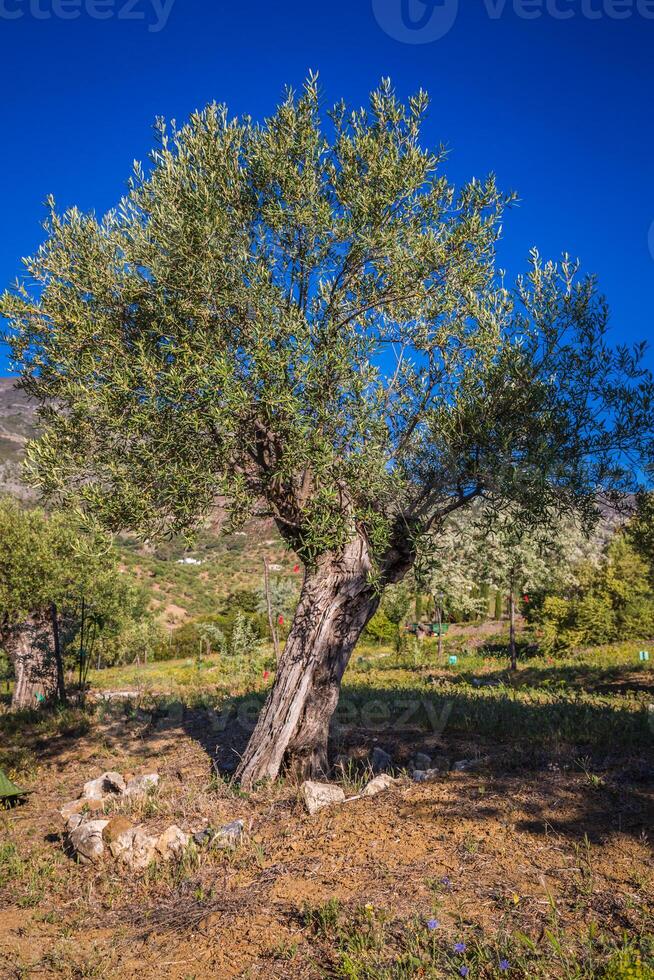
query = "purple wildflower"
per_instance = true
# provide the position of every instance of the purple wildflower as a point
(432, 924)
(446, 881)
(464, 971)
(505, 965)
(459, 947)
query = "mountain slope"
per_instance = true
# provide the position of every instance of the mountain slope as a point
(17, 426)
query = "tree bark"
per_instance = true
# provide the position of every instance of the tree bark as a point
(439, 615)
(59, 662)
(336, 603)
(512, 648)
(271, 623)
(29, 647)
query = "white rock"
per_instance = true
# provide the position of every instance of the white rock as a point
(172, 843)
(73, 821)
(318, 795)
(140, 785)
(378, 785)
(87, 840)
(123, 843)
(141, 850)
(229, 835)
(104, 785)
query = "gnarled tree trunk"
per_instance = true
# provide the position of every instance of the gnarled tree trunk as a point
(29, 647)
(336, 602)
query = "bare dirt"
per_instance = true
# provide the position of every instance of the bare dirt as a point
(485, 850)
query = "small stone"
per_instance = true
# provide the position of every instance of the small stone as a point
(229, 835)
(74, 807)
(86, 839)
(378, 785)
(73, 822)
(108, 782)
(172, 843)
(203, 837)
(464, 764)
(421, 761)
(424, 776)
(140, 785)
(318, 795)
(116, 827)
(380, 761)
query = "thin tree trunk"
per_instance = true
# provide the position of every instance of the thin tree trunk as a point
(59, 663)
(439, 614)
(271, 624)
(29, 647)
(336, 603)
(512, 647)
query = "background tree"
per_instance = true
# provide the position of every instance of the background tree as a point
(277, 599)
(53, 581)
(607, 599)
(519, 558)
(641, 530)
(449, 566)
(305, 319)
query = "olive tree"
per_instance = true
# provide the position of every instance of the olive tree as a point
(517, 556)
(449, 565)
(61, 596)
(304, 318)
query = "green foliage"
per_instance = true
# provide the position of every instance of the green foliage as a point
(236, 633)
(284, 597)
(396, 602)
(245, 637)
(308, 319)
(612, 600)
(45, 559)
(479, 548)
(641, 530)
(381, 629)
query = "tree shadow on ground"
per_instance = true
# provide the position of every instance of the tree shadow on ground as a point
(585, 767)
(588, 767)
(601, 680)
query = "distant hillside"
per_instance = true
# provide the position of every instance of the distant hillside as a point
(182, 582)
(17, 426)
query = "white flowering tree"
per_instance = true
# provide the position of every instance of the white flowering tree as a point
(516, 556)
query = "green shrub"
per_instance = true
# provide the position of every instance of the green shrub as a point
(195, 636)
(381, 629)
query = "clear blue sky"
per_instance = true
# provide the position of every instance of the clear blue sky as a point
(560, 109)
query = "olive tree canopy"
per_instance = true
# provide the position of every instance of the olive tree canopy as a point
(305, 318)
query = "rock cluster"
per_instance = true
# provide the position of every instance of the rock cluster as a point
(318, 795)
(91, 835)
